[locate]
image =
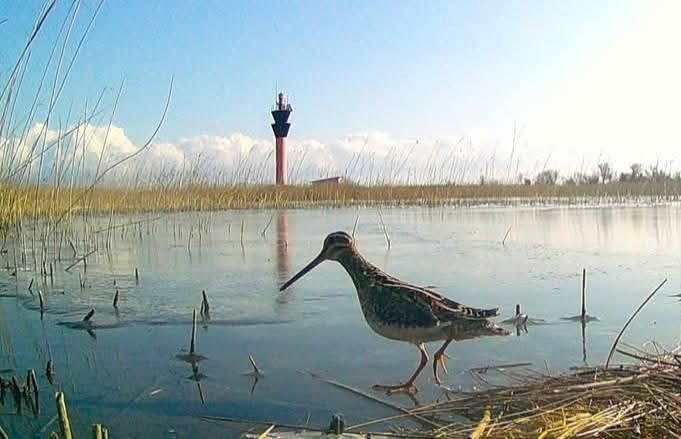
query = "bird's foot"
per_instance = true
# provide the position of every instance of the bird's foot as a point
(439, 359)
(408, 387)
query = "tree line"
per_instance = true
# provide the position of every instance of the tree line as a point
(604, 174)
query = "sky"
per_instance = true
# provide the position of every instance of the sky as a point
(420, 90)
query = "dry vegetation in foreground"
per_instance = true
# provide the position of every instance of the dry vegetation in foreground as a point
(17, 201)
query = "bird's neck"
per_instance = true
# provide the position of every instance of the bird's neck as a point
(361, 271)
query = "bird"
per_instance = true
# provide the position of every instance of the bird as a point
(401, 311)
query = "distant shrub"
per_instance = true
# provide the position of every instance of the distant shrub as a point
(547, 177)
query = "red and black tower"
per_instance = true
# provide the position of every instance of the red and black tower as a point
(281, 112)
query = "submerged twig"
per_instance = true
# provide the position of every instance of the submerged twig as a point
(249, 421)
(484, 369)
(373, 398)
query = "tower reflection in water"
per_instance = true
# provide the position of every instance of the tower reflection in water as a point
(283, 265)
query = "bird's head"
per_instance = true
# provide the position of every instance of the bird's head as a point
(335, 245)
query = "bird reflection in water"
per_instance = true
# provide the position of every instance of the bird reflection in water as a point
(400, 311)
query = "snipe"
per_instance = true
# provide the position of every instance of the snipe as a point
(401, 311)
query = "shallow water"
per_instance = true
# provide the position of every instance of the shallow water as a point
(125, 372)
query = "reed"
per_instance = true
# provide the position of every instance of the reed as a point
(22, 201)
(64, 423)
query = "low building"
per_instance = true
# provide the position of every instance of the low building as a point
(330, 180)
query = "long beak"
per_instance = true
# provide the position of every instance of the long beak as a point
(316, 261)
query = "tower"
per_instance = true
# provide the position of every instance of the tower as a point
(281, 112)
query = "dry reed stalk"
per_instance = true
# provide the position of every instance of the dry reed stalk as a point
(264, 434)
(42, 303)
(243, 225)
(64, 423)
(89, 315)
(503, 241)
(584, 295)
(267, 226)
(81, 259)
(385, 232)
(482, 425)
(205, 307)
(16, 393)
(49, 371)
(192, 344)
(257, 372)
(617, 339)
(375, 399)
(32, 381)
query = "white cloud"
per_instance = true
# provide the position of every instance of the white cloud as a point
(371, 157)
(368, 158)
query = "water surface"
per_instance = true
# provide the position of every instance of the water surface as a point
(126, 374)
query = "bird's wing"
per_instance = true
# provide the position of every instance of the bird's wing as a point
(444, 308)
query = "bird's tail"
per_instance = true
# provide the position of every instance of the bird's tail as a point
(483, 313)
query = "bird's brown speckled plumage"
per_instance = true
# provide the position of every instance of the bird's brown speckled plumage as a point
(391, 301)
(401, 311)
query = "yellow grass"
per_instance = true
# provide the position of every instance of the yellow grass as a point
(17, 201)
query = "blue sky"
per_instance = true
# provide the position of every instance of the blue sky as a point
(409, 69)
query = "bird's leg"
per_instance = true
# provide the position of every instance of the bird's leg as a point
(409, 386)
(440, 358)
